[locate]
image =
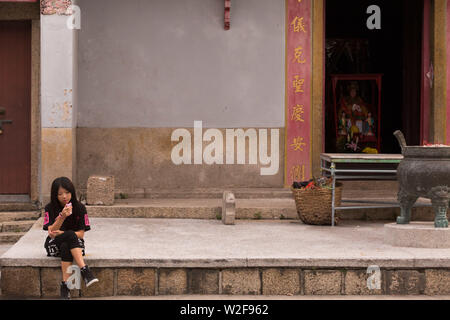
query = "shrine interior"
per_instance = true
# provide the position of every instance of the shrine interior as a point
(395, 51)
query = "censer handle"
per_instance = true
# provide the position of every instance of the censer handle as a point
(401, 139)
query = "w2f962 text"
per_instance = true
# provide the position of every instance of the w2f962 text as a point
(226, 309)
(246, 309)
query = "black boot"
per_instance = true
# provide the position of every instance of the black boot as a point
(88, 276)
(64, 291)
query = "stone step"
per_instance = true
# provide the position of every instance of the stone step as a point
(195, 209)
(199, 193)
(17, 206)
(266, 209)
(389, 188)
(10, 237)
(16, 226)
(19, 216)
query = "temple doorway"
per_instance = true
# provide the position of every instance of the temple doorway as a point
(373, 69)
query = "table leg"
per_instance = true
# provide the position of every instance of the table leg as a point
(333, 193)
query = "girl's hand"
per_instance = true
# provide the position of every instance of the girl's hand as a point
(67, 211)
(52, 234)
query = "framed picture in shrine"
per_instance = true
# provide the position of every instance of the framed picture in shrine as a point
(357, 112)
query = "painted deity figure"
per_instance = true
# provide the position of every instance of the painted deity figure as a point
(358, 117)
(355, 110)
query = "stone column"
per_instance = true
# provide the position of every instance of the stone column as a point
(58, 94)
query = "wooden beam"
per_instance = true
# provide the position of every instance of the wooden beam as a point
(438, 55)
(318, 85)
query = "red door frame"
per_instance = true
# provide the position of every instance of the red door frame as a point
(427, 72)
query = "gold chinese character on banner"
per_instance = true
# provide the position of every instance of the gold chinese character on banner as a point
(298, 84)
(298, 25)
(298, 144)
(298, 55)
(298, 173)
(297, 113)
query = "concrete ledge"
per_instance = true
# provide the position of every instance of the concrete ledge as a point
(417, 235)
(184, 243)
(172, 257)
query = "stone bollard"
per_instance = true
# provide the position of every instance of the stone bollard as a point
(100, 190)
(228, 208)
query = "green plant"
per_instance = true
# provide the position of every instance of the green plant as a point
(258, 215)
(218, 216)
(123, 196)
(282, 217)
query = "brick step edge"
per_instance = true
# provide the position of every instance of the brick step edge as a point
(16, 226)
(10, 237)
(114, 281)
(19, 216)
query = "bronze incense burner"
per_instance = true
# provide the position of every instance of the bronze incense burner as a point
(424, 172)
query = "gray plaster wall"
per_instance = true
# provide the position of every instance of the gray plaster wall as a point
(58, 72)
(166, 63)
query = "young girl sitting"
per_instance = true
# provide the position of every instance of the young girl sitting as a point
(66, 220)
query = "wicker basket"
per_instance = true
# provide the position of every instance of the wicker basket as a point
(314, 205)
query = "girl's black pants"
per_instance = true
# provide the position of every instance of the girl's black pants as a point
(67, 241)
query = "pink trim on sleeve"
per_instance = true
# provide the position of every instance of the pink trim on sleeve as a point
(46, 218)
(86, 220)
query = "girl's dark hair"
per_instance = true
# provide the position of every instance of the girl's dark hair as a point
(64, 182)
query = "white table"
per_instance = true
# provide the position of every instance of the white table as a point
(372, 167)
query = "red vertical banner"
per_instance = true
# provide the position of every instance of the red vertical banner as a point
(298, 90)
